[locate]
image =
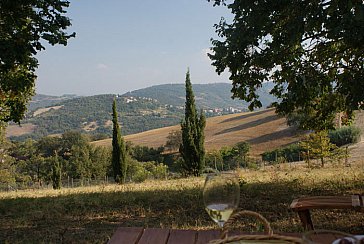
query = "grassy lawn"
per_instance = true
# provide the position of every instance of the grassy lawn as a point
(92, 214)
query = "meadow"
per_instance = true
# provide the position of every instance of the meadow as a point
(92, 214)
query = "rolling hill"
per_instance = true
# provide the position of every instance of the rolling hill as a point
(263, 129)
(44, 101)
(140, 110)
(207, 96)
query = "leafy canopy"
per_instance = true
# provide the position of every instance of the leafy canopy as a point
(313, 50)
(25, 26)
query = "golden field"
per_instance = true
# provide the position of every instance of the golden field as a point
(264, 130)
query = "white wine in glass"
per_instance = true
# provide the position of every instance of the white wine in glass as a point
(221, 196)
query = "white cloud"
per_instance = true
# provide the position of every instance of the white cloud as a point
(102, 66)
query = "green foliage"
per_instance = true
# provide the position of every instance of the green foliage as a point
(241, 150)
(141, 171)
(46, 146)
(159, 171)
(144, 153)
(100, 161)
(119, 163)
(80, 160)
(136, 172)
(98, 136)
(290, 153)
(192, 147)
(8, 172)
(307, 120)
(214, 160)
(313, 53)
(317, 145)
(78, 113)
(35, 162)
(174, 140)
(2, 132)
(56, 173)
(228, 158)
(24, 28)
(31, 162)
(345, 135)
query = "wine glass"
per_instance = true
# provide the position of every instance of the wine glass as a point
(221, 194)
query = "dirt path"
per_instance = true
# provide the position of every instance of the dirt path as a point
(357, 150)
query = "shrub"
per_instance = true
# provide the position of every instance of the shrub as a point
(141, 171)
(141, 175)
(290, 153)
(160, 171)
(345, 135)
(135, 171)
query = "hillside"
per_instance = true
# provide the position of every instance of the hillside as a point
(93, 115)
(264, 130)
(44, 101)
(140, 110)
(213, 95)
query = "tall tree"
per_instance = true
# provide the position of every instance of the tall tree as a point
(242, 151)
(25, 25)
(100, 160)
(80, 162)
(313, 50)
(8, 172)
(56, 172)
(119, 163)
(192, 148)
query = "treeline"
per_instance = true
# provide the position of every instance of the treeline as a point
(321, 145)
(228, 158)
(33, 162)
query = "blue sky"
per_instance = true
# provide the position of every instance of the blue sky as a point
(124, 45)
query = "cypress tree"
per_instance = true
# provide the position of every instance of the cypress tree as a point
(118, 149)
(192, 147)
(56, 173)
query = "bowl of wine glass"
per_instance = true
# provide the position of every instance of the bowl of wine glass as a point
(221, 195)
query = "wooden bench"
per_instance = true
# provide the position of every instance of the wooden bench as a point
(303, 206)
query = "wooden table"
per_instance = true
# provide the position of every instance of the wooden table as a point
(129, 235)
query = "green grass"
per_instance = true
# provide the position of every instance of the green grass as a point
(92, 214)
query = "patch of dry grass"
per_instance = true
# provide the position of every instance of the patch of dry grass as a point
(43, 110)
(18, 130)
(92, 214)
(264, 130)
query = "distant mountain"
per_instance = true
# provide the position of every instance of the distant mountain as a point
(43, 101)
(140, 110)
(208, 96)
